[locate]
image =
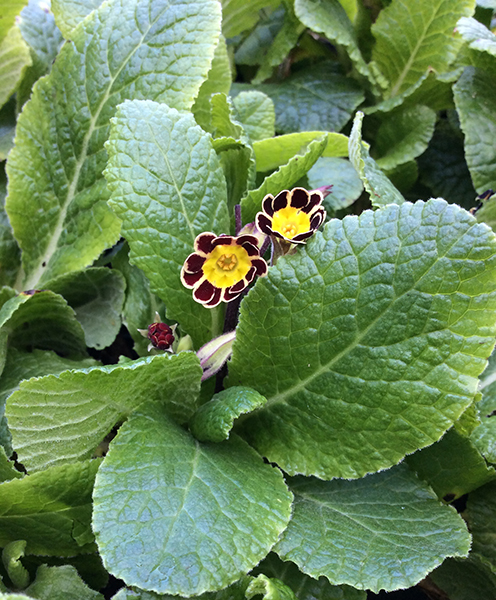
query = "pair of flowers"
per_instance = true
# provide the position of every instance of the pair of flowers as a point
(222, 267)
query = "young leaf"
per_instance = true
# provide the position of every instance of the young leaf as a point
(51, 510)
(60, 583)
(475, 99)
(477, 35)
(57, 196)
(256, 113)
(410, 41)
(167, 187)
(377, 184)
(367, 533)
(14, 59)
(200, 516)
(60, 419)
(16, 571)
(214, 420)
(369, 340)
(271, 153)
(69, 13)
(269, 589)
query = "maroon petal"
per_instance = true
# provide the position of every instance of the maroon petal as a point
(229, 294)
(216, 298)
(250, 276)
(267, 205)
(314, 201)
(263, 223)
(251, 250)
(237, 288)
(190, 280)
(204, 292)
(299, 198)
(302, 237)
(250, 239)
(260, 266)
(194, 263)
(316, 220)
(223, 240)
(281, 200)
(203, 242)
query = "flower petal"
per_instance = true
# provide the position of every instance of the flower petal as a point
(224, 240)
(260, 266)
(203, 242)
(281, 200)
(191, 280)
(263, 223)
(216, 298)
(267, 204)
(204, 292)
(194, 263)
(299, 198)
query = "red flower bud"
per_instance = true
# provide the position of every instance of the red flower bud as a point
(160, 335)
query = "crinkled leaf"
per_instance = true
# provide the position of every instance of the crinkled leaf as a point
(477, 35)
(236, 591)
(330, 18)
(367, 533)
(7, 468)
(58, 419)
(410, 40)
(317, 98)
(97, 296)
(214, 420)
(305, 586)
(465, 579)
(256, 44)
(10, 254)
(404, 135)
(42, 320)
(57, 195)
(481, 519)
(7, 132)
(377, 184)
(167, 187)
(10, 10)
(340, 173)
(443, 167)
(239, 15)
(16, 571)
(271, 153)
(218, 81)
(487, 213)
(475, 98)
(69, 13)
(256, 113)
(484, 436)
(14, 59)
(284, 178)
(60, 583)
(370, 339)
(200, 516)
(51, 510)
(269, 589)
(452, 467)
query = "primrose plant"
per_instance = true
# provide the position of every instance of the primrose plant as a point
(220, 376)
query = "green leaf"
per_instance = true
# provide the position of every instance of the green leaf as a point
(42, 320)
(10, 254)
(236, 591)
(330, 18)
(367, 533)
(7, 469)
(477, 35)
(218, 81)
(255, 45)
(207, 513)
(465, 579)
(85, 405)
(271, 153)
(14, 567)
(371, 337)
(256, 113)
(487, 213)
(97, 296)
(411, 42)
(57, 196)
(481, 517)
(269, 589)
(306, 587)
(7, 132)
(346, 184)
(377, 184)
(10, 10)
(14, 58)
(285, 177)
(317, 98)
(60, 583)
(69, 13)
(484, 436)
(452, 467)
(475, 99)
(51, 510)
(162, 163)
(404, 135)
(239, 15)
(213, 421)
(443, 167)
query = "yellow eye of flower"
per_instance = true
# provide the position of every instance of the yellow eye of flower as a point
(290, 221)
(226, 265)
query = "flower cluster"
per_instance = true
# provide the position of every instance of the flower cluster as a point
(161, 335)
(222, 267)
(292, 216)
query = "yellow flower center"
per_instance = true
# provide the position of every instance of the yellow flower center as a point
(226, 265)
(290, 221)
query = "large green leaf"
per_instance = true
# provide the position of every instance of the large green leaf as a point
(475, 98)
(411, 40)
(200, 516)
(369, 340)
(367, 533)
(69, 13)
(58, 419)
(14, 59)
(167, 187)
(10, 10)
(465, 579)
(340, 173)
(377, 184)
(60, 583)
(51, 510)
(256, 113)
(57, 195)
